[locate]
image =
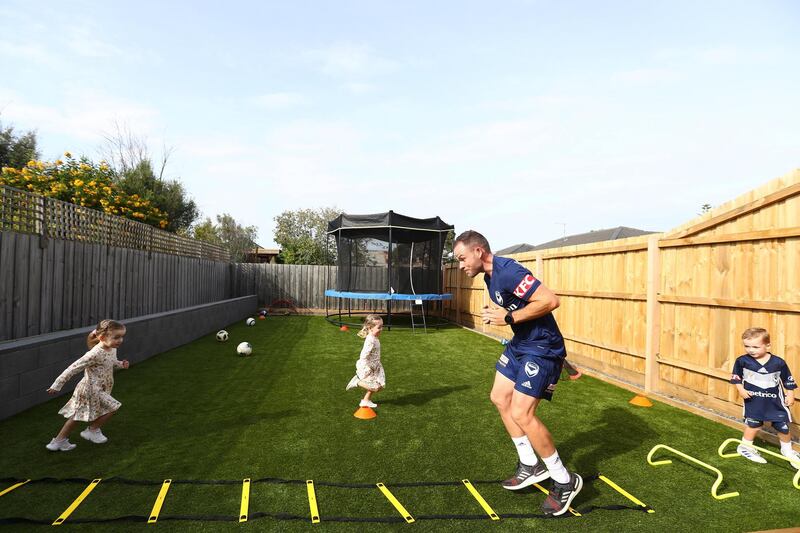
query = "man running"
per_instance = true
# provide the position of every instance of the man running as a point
(528, 369)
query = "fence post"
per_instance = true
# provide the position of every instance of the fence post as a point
(43, 228)
(539, 265)
(653, 339)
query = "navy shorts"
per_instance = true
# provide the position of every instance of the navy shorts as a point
(780, 426)
(532, 375)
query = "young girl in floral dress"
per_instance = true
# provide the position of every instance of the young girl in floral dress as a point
(369, 370)
(91, 401)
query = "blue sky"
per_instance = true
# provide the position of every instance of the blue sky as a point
(512, 118)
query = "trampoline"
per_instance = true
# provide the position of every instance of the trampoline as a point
(389, 264)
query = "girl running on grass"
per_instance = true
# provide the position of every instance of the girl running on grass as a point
(91, 401)
(369, 370)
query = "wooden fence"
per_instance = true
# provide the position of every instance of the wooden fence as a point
(665, 312)
(70, 284)
(23, 212)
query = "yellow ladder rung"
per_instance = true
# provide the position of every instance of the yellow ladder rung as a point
(12, 487)
(477, 495)
(162, 494)
(397, 505)
(312, 501)
(244, 509)
(74, 505)
(625, 493)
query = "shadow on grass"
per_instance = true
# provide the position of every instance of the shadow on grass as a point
(423, 397)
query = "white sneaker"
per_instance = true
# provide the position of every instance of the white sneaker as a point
(750, 453)
(63, 445)
(94, 435)
(353, 383)
(794, 458)
(367, 403)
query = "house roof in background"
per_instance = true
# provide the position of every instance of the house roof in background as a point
(611, 234)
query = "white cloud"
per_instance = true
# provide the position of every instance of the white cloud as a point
(647, 75)
(347, 59)
(359, 88)
(82, 113)
(279, 100)
(84, 42)
(32, 51)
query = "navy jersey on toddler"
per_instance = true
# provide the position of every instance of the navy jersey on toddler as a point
(763, 382)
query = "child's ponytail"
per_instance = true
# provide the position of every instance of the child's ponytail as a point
(369, 322)
(102, 328)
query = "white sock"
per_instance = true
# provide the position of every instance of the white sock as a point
(747, 443)
(525, 450)
(556, 468)
(786, 447)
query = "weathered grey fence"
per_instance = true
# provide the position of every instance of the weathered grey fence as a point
(304, 285)
(70, 284)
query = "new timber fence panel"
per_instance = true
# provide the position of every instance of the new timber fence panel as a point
(666, 311)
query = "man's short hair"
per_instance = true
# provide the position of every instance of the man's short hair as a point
(472, 238)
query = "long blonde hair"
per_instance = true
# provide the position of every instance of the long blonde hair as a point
(369, 323)
(102, 328)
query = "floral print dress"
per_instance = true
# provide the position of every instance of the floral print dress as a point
(368, 367)
(91, 398)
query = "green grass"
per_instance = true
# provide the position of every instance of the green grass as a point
(201, 412)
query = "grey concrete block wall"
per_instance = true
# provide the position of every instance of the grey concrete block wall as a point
(28, 366)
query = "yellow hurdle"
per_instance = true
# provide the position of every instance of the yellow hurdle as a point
(312, 501)
(397, 505)
(795, 480)
(716, 484)
(12, 487)
(484, 504)
(244, 508)
(162, 494)
(570, 509)
(625, 493)
(60, 520)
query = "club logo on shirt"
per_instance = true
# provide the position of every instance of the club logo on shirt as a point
(526, 283)
(498, 298)
(531, 369)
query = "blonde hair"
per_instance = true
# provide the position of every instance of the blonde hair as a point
(102, 328)
(752, 333)
(369, 323)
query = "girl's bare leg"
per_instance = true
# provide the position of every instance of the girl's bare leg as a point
(66, 429)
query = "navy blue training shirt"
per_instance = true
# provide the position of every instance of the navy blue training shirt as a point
(763, 382)
(510, 286)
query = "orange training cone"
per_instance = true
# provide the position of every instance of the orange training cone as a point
(365, 413)
(641, 401)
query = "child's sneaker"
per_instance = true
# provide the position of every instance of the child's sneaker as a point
(63, 445)
(353, 383)
(750, 453)
(794, 458)
(367, 403)
(94, 435)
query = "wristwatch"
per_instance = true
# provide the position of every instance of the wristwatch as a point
(509, 318)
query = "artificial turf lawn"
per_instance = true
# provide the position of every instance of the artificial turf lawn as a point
(200, 412)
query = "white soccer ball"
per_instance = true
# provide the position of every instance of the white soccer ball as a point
(250, 322)
(244, 349)
(222, 335)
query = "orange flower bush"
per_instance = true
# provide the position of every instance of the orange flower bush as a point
(82, 182)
